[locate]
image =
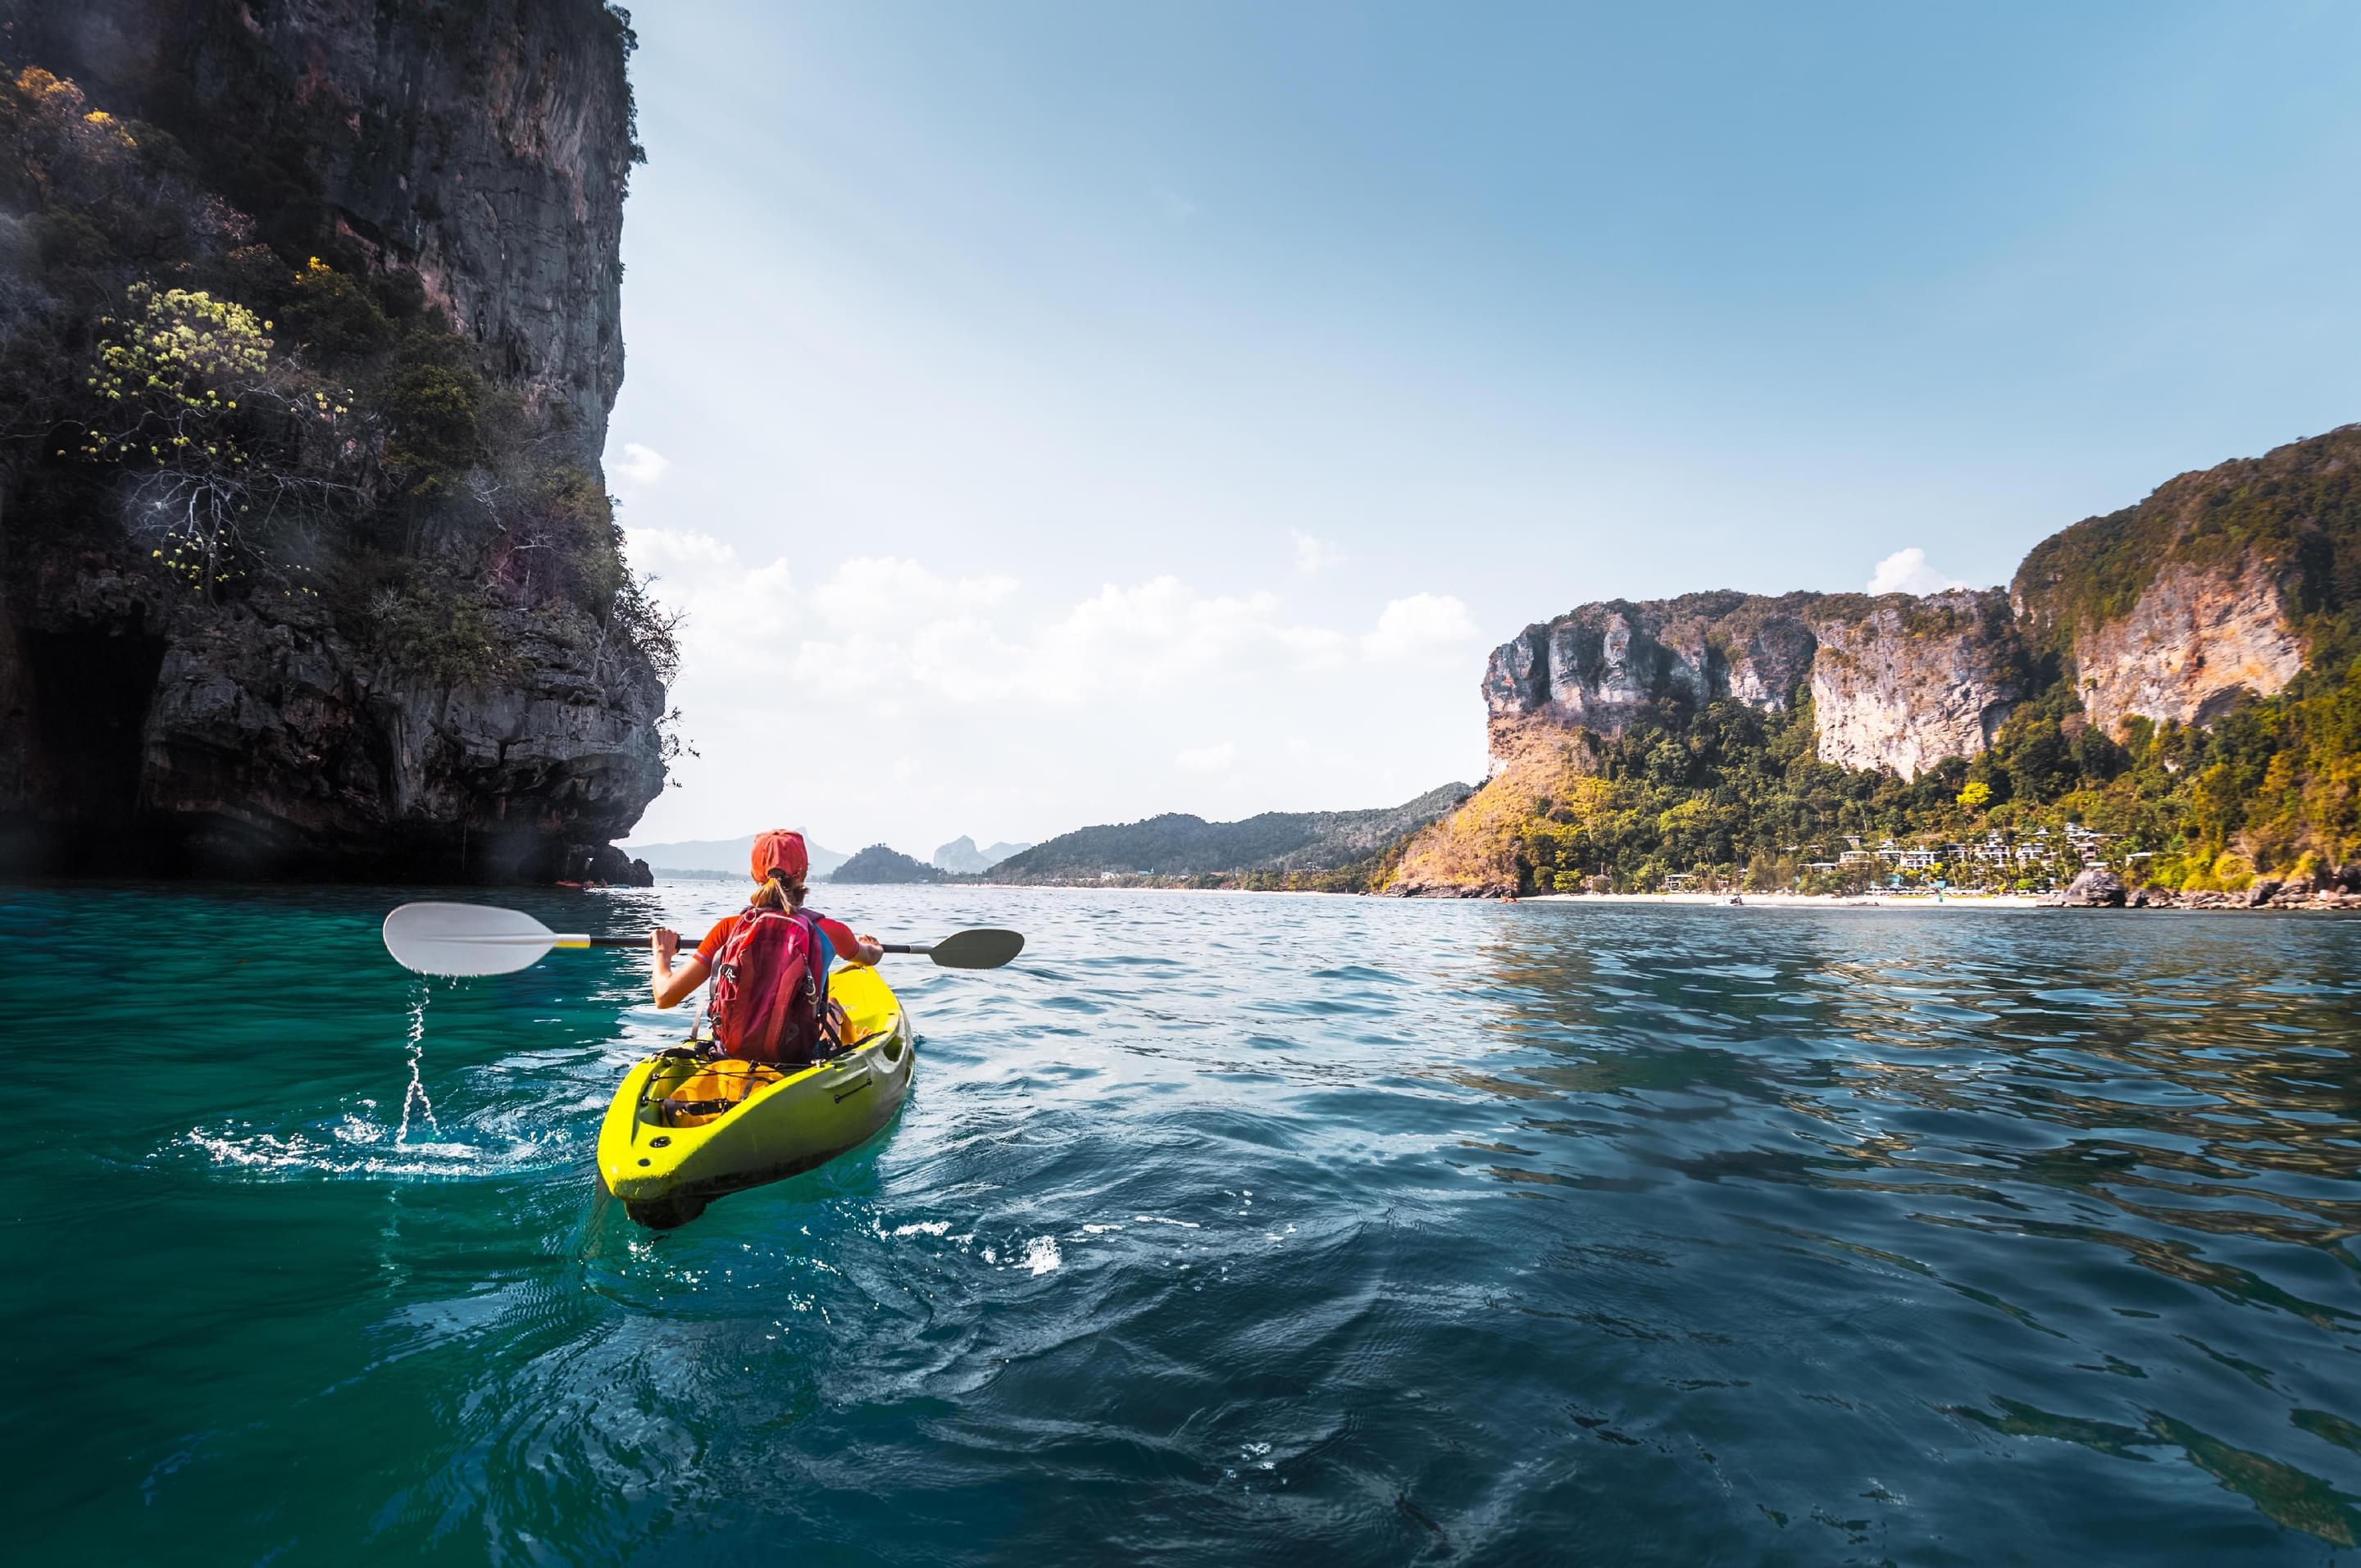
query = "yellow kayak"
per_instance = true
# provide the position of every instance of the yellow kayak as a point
(683, 1130)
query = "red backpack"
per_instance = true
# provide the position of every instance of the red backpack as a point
(770, 987)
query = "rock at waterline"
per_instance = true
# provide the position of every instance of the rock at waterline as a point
(2097, 888)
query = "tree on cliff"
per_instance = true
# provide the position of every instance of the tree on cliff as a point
(216, 437)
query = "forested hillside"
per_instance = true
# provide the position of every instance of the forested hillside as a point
(1342, 850)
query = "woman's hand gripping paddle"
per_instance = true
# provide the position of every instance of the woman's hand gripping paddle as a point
(476, 939)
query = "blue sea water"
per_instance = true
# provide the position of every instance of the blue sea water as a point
(1220, 1229)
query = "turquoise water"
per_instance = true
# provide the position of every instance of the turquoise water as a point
(1220, 1229)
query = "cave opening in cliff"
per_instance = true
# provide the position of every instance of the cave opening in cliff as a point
(91, 690)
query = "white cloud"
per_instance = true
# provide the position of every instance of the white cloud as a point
(1163, 633)
(639, 467)
(733, 612)
(1906, 571)
(885, 623)
(880, 697)
(1315, 556)
(872, 589)
(1419, 627)
(1177, 208)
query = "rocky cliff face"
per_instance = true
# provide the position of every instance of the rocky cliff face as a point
(1893, 682)
(2173, 610)
(272, 743)
(475, 157)
(2170, 609)
(484, 147)
(1907, 684)
(1606, 665)
(2196, 638)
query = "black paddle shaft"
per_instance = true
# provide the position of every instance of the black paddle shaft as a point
(642, 941)
(981, 949)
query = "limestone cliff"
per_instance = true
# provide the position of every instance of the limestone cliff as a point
(484, 148)
(2195, 639)
(1894, 681)
(2170, 609)
(423, 657)
(1604, 667)
(1905, 683)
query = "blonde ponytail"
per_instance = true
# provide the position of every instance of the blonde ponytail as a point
(779, 891)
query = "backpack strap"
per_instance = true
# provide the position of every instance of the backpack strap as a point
(709, 1043)
(816, 951)
(822, 949)
(821, 952)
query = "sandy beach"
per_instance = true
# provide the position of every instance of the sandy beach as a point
(1806, 901)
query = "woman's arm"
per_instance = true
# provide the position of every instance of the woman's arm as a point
(669, 984)
(863, 949)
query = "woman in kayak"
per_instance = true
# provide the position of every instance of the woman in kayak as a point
(780, 862)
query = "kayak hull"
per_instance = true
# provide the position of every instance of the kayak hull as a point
(666, 1155)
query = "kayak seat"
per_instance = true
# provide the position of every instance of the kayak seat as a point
(713, 1090)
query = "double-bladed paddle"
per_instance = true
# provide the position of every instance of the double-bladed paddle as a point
(476, 938)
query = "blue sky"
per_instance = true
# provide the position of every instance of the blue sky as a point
(1064, 412)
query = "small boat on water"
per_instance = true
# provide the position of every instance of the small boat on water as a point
(683, 1129)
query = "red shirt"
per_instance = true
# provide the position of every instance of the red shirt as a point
(839, 934)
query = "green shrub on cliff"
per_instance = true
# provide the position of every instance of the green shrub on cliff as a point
(432, 396)
(440, 633)
(335, 314)
(215, 438)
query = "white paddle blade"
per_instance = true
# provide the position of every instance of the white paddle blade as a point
(465, 938)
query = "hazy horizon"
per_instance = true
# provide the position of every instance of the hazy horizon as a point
(639, 841)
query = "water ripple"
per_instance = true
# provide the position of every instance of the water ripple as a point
(1221, 1225)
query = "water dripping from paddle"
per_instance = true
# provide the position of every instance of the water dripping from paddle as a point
(415, 1094)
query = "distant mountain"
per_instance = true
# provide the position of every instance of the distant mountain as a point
(1182, 846)
(878, 863)
(962, 856)
(721, 855)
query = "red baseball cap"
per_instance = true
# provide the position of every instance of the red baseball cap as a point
(780, 849)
